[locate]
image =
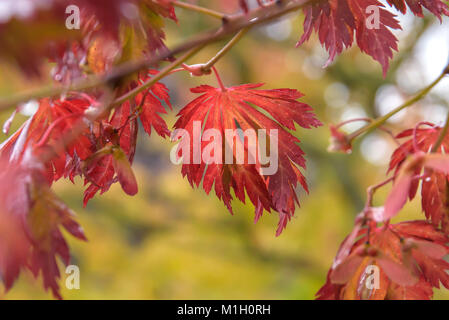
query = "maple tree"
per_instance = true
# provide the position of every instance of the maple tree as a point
(107, 81)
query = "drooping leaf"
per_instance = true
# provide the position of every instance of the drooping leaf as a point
(435, 183)
(43, 32)
(337, 22)
(150, 104)
(436, 7)
(124, 171)
(408, 255)
(31, 220)
(222, 135)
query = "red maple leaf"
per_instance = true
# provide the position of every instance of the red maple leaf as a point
(150, 106)
(120, 134)
(435, 183)
(238, 109)
(337, 21)
(437, 7)
(408, 255)
(31, 219)
(53, 120)
(115, 139)
(43, 32)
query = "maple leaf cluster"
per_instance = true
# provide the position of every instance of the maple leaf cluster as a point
(88, 135)
(338, 22)
(101, 153)
(232, 109)
(100, 148)
(409, 255)
(110, 30)
(74, 136)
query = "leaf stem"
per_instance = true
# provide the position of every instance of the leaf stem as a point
(231, 25)
(165, 72)
(220, 82)
(381, 120)
(369, 120)
(47, 133)
(371, 190)
(442, 135)
(207, 66)
(199, 9)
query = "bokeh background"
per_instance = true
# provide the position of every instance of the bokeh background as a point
(173, 242)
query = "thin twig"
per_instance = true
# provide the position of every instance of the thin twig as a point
(166, 71)
(231, 25)
(372, 189)
(442, 135)
(202, 10)
(381, 120)
(220, 82)
(207, 66)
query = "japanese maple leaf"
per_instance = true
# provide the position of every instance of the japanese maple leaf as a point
(404, 185)
(53, 120)
(232, 161)
(47, 217)
(116, 145)
(436, 7)
(43, 34)
(32, 218)
(408, 255)
(338, 21)
(119, 137)
(14, 243)
(435, 183)
(139, 36)
(150, 105)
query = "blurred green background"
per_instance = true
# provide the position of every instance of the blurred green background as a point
(174, 242)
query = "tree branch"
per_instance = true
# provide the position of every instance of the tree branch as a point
(165, 72)
(202, 10)
(381, 120)
(231, 25)
(207, 66)
(442, 135)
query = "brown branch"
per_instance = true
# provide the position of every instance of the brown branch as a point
(442, 135)
(208, 66)
(166, 71)
(381, 120)
(108, 103)
(195, 8)
(231, 25)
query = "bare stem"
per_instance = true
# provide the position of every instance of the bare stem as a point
(202, 10)
(165, 72)
(207, 67)
(220, 82)
(442, 135)
(381, 120)
(231, 25)
(371, 190)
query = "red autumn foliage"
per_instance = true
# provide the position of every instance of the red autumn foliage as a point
(434, 182)
(337, 22)
(232, 109)
(409, 256)
(82, 134)
(32, 218)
